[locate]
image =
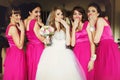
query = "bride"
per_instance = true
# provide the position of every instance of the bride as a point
(57, 62)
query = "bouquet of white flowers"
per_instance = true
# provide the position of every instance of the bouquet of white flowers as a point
(47, 31)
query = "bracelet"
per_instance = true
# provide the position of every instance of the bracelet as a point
(92, 28)
(93, 57)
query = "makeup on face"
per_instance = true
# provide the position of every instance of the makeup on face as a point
(92, 11)
(36, 12)
(59, 14)
(77, 15)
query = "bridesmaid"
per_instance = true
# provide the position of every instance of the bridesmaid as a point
(82, 42)
(35, 43)
(14, 66)
(107, 64)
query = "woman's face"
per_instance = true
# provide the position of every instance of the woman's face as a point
(16, 17)
(58, 14)
(92, 11)
(35, 13)
(77, 15)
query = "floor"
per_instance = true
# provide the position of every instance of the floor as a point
(1, 76)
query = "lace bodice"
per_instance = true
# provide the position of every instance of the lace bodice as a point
(58, 39)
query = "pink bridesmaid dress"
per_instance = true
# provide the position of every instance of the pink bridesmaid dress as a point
(82, 50)
(34, 50)
(107, 64)
(14, 65)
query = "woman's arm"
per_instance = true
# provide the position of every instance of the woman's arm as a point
(37, 32)
(73, 39)
(92, 49)
(17, 38)
(67, 31)
(99, 30)
(74, 26)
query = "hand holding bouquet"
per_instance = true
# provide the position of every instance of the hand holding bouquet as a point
(47, 31)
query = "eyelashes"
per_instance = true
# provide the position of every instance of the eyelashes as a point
(37, 11)
(59, 14)
(77, 14)
(93, 11)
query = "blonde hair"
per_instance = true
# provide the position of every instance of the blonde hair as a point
(52, 18)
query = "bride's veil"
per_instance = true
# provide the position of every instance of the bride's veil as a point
(48, 19)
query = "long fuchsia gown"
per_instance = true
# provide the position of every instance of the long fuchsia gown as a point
(107, 65)
(14, 65)
(33, 51)
(82, 50)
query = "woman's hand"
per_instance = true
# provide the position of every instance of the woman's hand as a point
(75, 24)
(39, 20)
(92, 20)
(47, 40)
(90, 65)
(20, 26)
(57, 19)
(63, 22)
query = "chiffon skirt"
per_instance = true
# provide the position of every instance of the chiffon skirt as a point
(107, 65)
(59, 64)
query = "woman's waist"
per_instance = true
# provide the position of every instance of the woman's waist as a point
(106, 39)
(34, 42)
(14, 47)
(35, 45)
(82, 40)
(58, 46)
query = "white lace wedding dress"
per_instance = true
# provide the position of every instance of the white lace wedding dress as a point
(59, 63)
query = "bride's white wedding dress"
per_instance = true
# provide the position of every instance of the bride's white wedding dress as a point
(59, 63)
